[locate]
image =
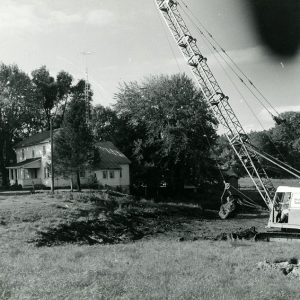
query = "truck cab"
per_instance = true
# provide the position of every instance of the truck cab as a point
(285, 211)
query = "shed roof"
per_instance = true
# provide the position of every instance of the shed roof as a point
(110, 156)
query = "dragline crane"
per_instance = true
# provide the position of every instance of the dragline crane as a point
(219, 103)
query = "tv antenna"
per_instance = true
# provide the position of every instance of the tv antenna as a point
(87, 86)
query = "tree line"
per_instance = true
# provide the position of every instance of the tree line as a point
(282, 141)
(161, 124)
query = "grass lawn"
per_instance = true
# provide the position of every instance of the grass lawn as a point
(246, 182)
(157, 266)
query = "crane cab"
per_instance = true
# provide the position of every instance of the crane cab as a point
(285, 211)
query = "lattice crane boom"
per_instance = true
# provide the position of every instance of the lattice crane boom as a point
(216, 99)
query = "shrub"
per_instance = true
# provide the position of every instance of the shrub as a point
(16, 187)
(41, 187)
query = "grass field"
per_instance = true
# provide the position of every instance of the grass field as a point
(246, 182)
(174, 259)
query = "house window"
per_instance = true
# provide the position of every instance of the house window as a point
(33, 154)
(82, 174)
(12, 173)
(120, 173)
(104, 174)
(23, 154)
(44, 150)
(111, 174)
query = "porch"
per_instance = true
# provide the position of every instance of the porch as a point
(25, 173)
(29, 182)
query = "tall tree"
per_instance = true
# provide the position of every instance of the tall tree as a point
(64, 89)
(173, 129)
(285, 139)
(105, 123)
(73, 144)
(19, 115)
(225, 156)
(51, 93)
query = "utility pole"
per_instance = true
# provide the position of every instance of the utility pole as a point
(52, 160)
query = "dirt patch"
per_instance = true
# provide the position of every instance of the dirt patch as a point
(90, 218)
(107, 229)
(242, 234)
(288, 267)
(111, 224)
(127, 225)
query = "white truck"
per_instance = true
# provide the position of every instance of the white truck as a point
(285, 212)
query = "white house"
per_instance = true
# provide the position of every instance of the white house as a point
(33, 158)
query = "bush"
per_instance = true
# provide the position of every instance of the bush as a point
(41, 187)
(92, 185)
(16, 187)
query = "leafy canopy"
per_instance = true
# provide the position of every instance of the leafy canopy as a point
(172, 127)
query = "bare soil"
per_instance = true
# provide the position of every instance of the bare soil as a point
(151, 251)
(89, 219)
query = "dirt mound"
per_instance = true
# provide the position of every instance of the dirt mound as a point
(242, 234)
(113, 222)
(94, 218)
(289, 267)
(106, 229)
(113, 229)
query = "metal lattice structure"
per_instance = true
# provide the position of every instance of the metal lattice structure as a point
(217, 101)
(87, 100)
(87, 88)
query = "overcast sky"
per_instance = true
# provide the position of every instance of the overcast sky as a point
(129, 42)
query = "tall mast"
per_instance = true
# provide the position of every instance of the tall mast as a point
(216, 99)
(87, 88)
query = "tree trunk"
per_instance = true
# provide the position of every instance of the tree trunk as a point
(78, 181)
(63, 112)
(4, 157)
(71, 183)
(2, 163)
(175, 180)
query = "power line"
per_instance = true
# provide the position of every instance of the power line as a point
(169, 43)
(222, 50)
(208, 45)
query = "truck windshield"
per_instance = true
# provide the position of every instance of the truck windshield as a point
(282, 198)
(278, 199)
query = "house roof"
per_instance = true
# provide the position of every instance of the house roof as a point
(28, 163)
(110, 156)
(34, 139)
